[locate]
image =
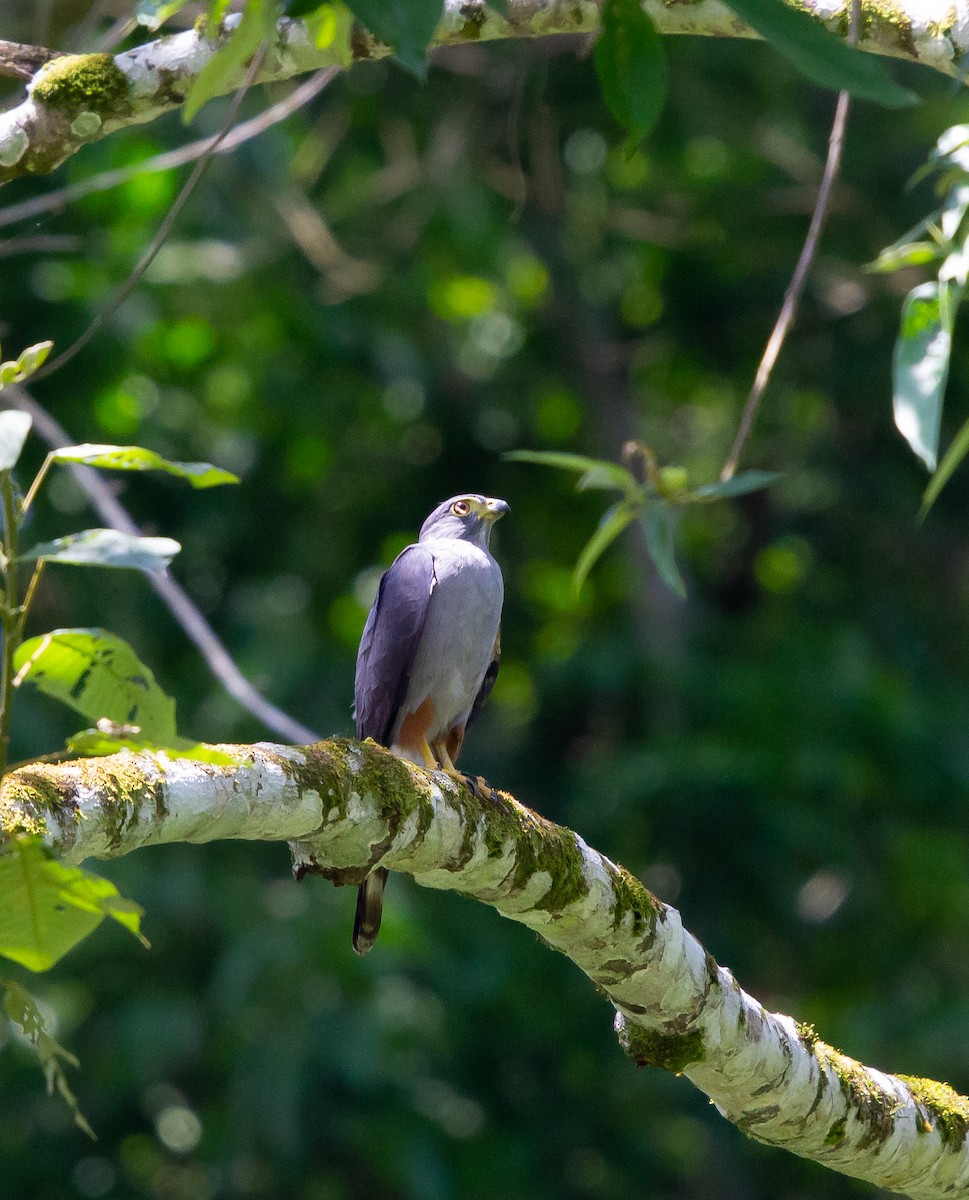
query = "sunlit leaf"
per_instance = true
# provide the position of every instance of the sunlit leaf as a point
(818, 54)
(46, 907)
(738, 485)
(22, 1009)
(107, 548)
(100, 676)
(907, 254)
(613, 522)
(33, 358)
(136, 458)
(96, 743)
(14, 427)
(921, 365)
(658, 525)
(224, 69)
(152, 14)
(29, 361)
(406, 25)
(950, 460)
(631, 66)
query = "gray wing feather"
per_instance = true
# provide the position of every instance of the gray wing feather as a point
(389, 643)
(486, 684)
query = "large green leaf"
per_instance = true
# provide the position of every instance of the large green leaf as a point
(21, 1008)
(46, 908)
(154, 13)
(406, 25)
(658, 526)
(137, 458)
(14, 427)
(100, 676)
(631, 66)
(224, 69)
(921, 365)
(614, 521)
(107, 548)
(595, 472)
(818, 54)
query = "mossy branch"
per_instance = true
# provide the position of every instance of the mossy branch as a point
(346, 806)
(79, 98)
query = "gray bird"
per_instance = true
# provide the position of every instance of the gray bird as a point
(429, 654)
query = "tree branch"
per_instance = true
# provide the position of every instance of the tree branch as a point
(348, 806)
(76, 99)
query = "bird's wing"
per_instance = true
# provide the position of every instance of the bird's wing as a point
(487, 683)
(389, 643)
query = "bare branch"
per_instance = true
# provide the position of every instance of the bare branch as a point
(795, 289)
(81, 98)
(349, 806)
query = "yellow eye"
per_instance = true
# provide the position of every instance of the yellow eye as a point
(460, 508)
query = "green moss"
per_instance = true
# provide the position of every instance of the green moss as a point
(872, 1106)
(808, 1034)
(28, 798)
(669, 1051)
(543, 846)
(632, 899)
(82, 83)
(474, 17)
(947, 1111)
(836, 1134)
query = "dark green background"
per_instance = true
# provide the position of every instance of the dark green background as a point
(795, 734)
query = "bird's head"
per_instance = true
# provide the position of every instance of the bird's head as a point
(470, 517)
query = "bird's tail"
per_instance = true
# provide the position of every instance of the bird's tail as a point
(370, 905)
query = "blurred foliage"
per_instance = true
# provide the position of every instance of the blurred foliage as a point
(359, 313)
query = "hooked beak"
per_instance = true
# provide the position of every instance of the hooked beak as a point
(496, 509)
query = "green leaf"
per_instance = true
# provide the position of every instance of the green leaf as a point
(107, 548)
(921, 365)
(152, 14)
(100, 676)
(905, 254)
(136, 458)
(614, 521)
(14, 427)
(46, 907)
(33, 358)
(821, 56)
(631, 66)
(596, 472)
(738, 485)
(96, 743)
(224, 69)
(953, 457)
(28, 362)
(658, 525)
(22, 1008)
(406, 25)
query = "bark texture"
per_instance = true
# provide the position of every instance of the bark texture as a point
(347, 806)
(78, 98)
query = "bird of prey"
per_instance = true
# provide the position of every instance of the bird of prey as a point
(429, 653)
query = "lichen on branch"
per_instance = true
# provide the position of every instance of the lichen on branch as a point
(76, 99)
(346, 807)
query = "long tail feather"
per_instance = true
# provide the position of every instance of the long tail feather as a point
(370, 905)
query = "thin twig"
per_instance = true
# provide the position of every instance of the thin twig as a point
(164, 229)
(62, 197)
(182, 608)
(795, 288)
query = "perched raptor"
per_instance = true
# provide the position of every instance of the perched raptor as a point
(429, 653)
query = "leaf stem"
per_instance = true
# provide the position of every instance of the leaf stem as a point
(35, 486)
(9, 616)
